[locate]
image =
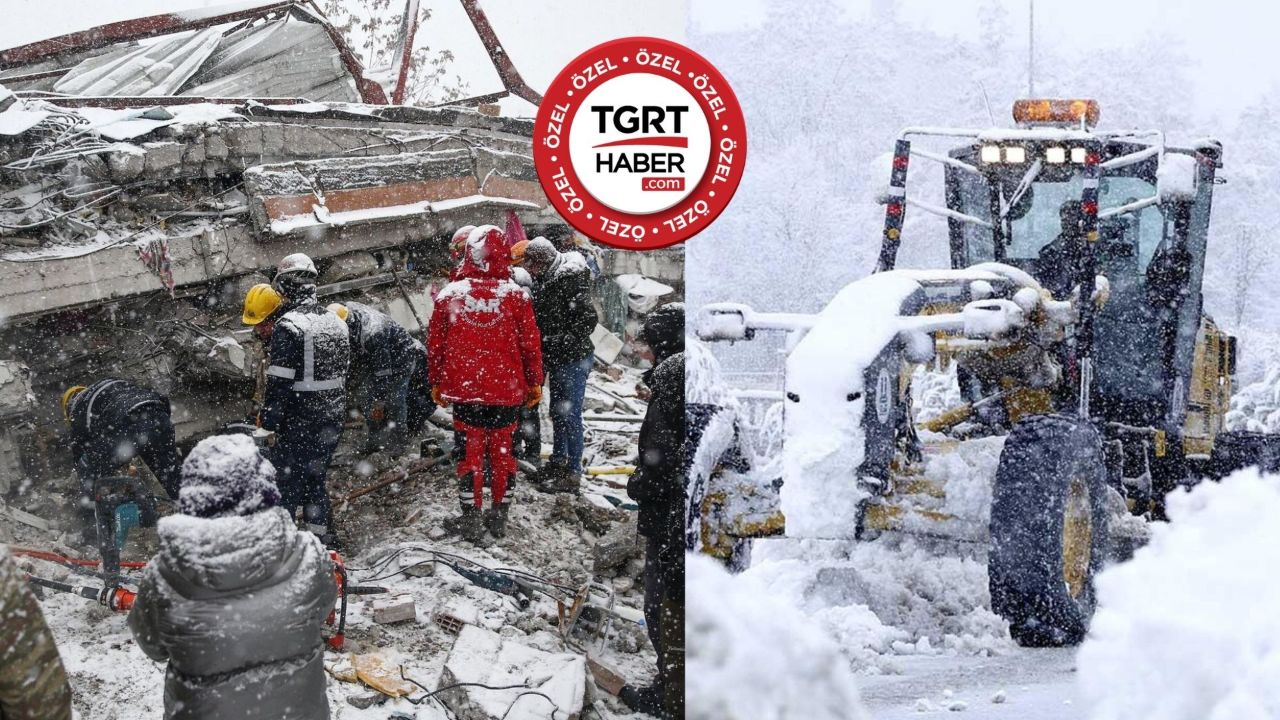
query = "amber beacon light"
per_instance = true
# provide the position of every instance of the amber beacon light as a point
(1036, 112)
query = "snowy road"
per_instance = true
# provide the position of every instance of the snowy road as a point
(1036, 685)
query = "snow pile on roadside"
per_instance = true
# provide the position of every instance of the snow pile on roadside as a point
(752, 655)
(1256, 407)
(886, 598)
(1188, 630)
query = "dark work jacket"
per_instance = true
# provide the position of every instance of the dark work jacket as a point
(100, 418)
(658, 484)
(566, 317)
(235, 605)
(306, 383)
(380, 346)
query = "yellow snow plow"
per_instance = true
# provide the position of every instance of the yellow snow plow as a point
(1083, 379)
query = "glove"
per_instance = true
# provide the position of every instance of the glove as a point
(438, 397)
(533, 397)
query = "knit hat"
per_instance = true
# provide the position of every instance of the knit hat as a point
(540, 249)
(225, 475)
(664, 330)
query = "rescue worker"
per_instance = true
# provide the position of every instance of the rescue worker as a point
(483, 357)
(527, 443)
(236, 596)
(305, 398)
(566, 319)
(33, 682)
(295, 276)
(419, 405)
(457, 247)
(112, 422)
(382, 363)
(658, 487)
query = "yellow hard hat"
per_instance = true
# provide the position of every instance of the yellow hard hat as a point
(338, 309)
(66, 399)
(517, 252)
(259, 303)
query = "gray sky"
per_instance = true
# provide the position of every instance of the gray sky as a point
(539, 41)
(1232, 42)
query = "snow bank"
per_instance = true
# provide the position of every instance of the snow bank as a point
(883, 599)
(1188, 630)
(1256, 407)
(753, 656)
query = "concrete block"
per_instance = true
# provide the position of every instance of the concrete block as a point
(125, 162)
(394, 609)
(194, 153)
(244, 140)
(273, 140)
(162, 157)
(215, 147)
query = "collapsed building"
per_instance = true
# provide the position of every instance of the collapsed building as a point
(152, 170)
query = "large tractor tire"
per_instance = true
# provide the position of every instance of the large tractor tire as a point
(1049, 529)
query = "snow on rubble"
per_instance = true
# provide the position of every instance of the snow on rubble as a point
(1193, 614)
(453, 627)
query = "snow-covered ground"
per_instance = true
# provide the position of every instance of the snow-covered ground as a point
(551, 536)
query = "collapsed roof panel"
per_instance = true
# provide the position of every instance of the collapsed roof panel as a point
(285, 58)
(247, 50)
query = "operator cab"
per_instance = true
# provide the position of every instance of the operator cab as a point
(1018, 196)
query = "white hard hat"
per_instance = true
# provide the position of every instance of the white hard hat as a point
(296, 263)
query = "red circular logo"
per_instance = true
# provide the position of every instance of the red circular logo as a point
(639, 143)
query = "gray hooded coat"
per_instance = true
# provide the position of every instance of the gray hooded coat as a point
(236, 604)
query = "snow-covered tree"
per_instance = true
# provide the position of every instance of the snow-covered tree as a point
(373, 28)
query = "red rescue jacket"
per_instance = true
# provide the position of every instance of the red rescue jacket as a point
(483, 345)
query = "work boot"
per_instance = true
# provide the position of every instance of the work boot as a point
(495, 519)
(647, 700)
(471, 525)
(541, 476)
(563, 481)
(555, 478)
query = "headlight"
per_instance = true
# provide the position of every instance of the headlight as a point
(1078, 155)
(990, 153)
(1015, 154)
(1055, 154)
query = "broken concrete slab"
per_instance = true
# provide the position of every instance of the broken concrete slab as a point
(619, 545)
(394, 609)
(483, 656)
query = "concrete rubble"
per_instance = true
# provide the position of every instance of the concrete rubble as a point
(132, 224)
(485, 657)
(130, 227)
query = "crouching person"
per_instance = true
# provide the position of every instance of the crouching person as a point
(236, 596)
(484, 359)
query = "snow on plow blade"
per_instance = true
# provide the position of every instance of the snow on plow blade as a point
(847, 405)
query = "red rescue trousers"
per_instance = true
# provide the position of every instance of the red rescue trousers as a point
(481, 444)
